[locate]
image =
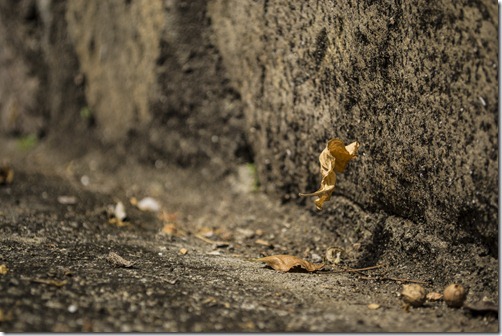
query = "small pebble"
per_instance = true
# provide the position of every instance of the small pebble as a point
(149, 204)
(373, 306)
(72, 308)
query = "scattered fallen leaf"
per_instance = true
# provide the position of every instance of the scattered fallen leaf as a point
(434, 296)
(3, 269)
(223, 233)
(263, 242)
(333, 159)
(117, 214)
(170, 229)
(284, 263)
(183, 251)
(205, 232)
(216, 243)
(373, 306)
(6, 174)
(242, 234)
(333, 255)
(119, 211)
(210, 301)
(117, 260)
(57, 283)
(5, 317)
(67, 200)
(168, 217)
(147, 204)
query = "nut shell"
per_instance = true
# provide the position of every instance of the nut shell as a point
(413, 295)
(454, 295)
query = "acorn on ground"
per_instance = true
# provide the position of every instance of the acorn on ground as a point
(413, 295)
(454, 295)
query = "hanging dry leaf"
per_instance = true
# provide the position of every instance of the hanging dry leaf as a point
(284, 263)
(3, 269)
(333, 159)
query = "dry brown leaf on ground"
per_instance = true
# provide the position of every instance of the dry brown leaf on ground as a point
(284, 263)
(6, 174)
(373, 306)
(117, 260)
(434, 296)
(51, 282)
(3, 269)
(333, 159)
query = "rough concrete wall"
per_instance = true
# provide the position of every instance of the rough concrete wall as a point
(40, 90)
(20, 77)
(117, 43)
(199, 112)
(154, 81)
(414, 82)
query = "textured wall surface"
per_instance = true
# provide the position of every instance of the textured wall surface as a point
(414, 82)
(117, 44)
(19, 81)
(195, 82)
(40, 89)
(152, 72)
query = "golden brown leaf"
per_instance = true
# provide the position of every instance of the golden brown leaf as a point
(284, 262)
(333, 159)
(170, 229)
(5, 317)
(373, 306)
(434, 296)
(262, 242)
(3, 269)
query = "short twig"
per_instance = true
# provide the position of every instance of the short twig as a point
(351, 270)
(394, 279)
(57, 283)
(209, 241)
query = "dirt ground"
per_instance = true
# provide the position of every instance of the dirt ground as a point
(193, 266)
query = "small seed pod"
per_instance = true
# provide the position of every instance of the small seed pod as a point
(413, 295)
(454, 295)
